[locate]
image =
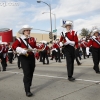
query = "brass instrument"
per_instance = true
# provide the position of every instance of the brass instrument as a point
(30, 50)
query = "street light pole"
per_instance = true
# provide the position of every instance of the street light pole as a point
(55, 21)
(39, 1)
(54, 17)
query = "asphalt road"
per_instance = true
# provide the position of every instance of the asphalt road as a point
(50, 82)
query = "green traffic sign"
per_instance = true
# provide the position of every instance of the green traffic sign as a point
(54, 30)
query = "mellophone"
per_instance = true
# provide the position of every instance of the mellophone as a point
(28, 50)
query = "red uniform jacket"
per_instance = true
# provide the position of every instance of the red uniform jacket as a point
(19, 43)
(83, 44)
(72, 36)
(93, 43)
(3, 49)
(44, 47)
(39, 46)
(56, 45)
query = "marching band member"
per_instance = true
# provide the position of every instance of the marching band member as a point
(83, 46)
(45, 48)
(1, 53)
(24, 46)
(87, 50)
(4, 58)
(57, 47)
(95, 43)
(70, 41)
(40, 52)
(53, 51)
(10, 54)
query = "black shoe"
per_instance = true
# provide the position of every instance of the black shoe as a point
(93, 68)
(51, 59)
(98, 72)
(79, 63)
(4, 69)
(29, 94)
(59, 61)
(71, 78)
(19, 67)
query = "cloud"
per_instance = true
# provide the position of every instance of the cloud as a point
(85, 14)
(87, 23)
(14, 16)
(10, 14)
(69, 8)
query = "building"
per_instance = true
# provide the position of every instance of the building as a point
(43, 36)
(38, 36)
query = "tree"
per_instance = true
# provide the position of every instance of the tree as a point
(84, 32)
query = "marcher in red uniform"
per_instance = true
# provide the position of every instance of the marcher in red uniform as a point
(1, 53)
(4, 58)
(70, 41)
(10, 54)
(22, 46)
(57, 47)
(45, 48)
(40, 52)
(95, 43)
(83, 46)
(53, 51)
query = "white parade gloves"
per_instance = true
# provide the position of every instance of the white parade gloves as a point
(72, 43)
(34, 50)
(55, 49)
(21, 50)
(61, 44)
(93, 37)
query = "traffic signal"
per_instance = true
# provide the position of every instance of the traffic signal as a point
(50, 35)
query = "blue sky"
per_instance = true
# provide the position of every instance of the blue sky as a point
(84, 13)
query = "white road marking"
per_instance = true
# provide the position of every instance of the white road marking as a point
(93, 81)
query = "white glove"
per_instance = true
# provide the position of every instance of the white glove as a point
(61, 44)
(21, 50)
(93, 37)
(70, 42)
(56, 50)
(34, 50)
(66, 43)
(24, 51)
(60, 49)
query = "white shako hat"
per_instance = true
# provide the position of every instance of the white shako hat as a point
(24, 27)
